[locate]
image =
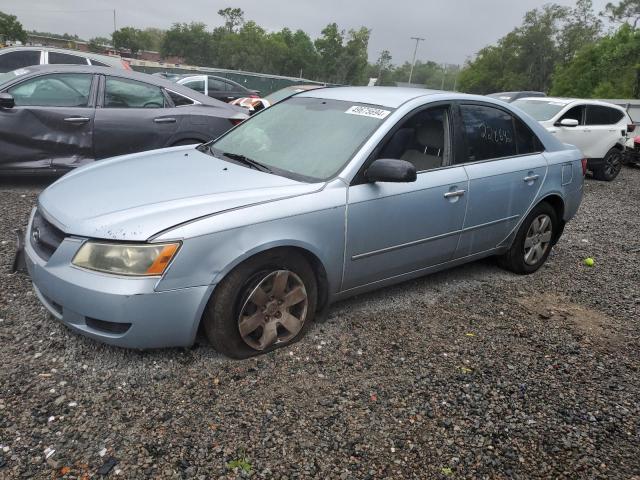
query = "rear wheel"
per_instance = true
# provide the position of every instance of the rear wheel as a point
(265, 303)
(533, 241)
(611, 168)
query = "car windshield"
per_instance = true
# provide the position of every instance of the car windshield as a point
(541, 110)
(8, 76)
(310, 138)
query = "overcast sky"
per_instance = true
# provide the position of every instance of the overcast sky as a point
(454, 29)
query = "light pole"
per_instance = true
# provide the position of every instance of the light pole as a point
(415, 50)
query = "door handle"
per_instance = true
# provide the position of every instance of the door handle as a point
(165, 120)
(76, 119)
(455, 194)
(531, 178)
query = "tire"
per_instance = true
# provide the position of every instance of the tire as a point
(521, 257)
(188, 141)
(611, 168)
(250, 295)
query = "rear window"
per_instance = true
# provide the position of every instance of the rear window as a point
(56, 58)
(539, 109)
(601, 115)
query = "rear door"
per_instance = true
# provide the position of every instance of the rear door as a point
(506, 169)
(132, 116)
(603, 131)
(220, 90)
(51, 124)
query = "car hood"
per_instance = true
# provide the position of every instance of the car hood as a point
(137, 196)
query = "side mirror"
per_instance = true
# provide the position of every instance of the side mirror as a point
(568, 122)
(7, 101)
(391, 170)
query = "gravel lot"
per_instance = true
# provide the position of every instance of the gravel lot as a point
(471, 373)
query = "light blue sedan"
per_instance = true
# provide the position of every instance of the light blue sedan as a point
(328, 194)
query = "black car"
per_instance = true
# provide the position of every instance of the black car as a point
(217, 87)
(511, 97)
(54, 118)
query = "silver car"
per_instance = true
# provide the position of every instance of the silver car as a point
(330, 193)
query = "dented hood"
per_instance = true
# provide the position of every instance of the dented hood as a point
(136, 196)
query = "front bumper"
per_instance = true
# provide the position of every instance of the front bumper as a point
(122, 311)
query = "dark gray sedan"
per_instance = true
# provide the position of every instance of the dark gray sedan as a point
(55, 118)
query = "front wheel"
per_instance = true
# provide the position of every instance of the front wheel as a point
(265, 303)
(533, 241)
(611, 168)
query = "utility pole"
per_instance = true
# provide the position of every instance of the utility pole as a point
(413, 64)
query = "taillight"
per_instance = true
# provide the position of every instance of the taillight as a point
(125, 65)
(584, 167)
(236, 121)
(631, 128)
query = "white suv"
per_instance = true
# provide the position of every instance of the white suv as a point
(598, 129)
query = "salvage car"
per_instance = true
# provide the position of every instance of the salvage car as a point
(328, 194)
(54, 118)
(598, 129)
(13, 58)
(217, 87)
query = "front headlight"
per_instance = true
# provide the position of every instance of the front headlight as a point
(126, 259)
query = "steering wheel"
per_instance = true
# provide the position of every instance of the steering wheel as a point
(152, 105)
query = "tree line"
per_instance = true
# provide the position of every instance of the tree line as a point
(564, 51)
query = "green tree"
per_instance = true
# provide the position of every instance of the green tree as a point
(329, 48)
(382, 66)
(128, 38)
(623, 12)
(189, 41)
(233, 18)
(11, 29)
(97, 44)
(354, 59)
(151, 38)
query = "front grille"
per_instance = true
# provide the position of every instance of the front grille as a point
(45, 238)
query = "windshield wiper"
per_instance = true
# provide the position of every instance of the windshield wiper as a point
(247, 161)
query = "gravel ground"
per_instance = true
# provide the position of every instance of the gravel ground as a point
(471, 373)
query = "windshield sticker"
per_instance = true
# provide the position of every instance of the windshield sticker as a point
(368, 112)
(20, 71)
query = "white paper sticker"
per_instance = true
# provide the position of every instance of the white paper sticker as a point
(20, 71)
(368, 112)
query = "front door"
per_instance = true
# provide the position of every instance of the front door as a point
(51, 124)
(132, 117)
(395, 229)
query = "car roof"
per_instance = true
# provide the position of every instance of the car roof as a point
(101, 58)
(567, 101)
(130, 74)
(391, 97)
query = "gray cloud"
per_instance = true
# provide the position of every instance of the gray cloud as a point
(455, 30)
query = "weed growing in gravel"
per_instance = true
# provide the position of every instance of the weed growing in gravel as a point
(241, 464)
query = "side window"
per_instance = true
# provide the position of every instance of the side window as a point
(98, 64)
(55, 90)
(601, 115)
(489, 132)
(217, 85)
(14, 60)
(124, 93)
(56, 58)
(179, 100)
(422, 139)
(526, 141)
(197, 85)
(575, 113)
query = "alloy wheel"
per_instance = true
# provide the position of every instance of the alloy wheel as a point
(538, 239)
(613, 165)
(275, 310)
